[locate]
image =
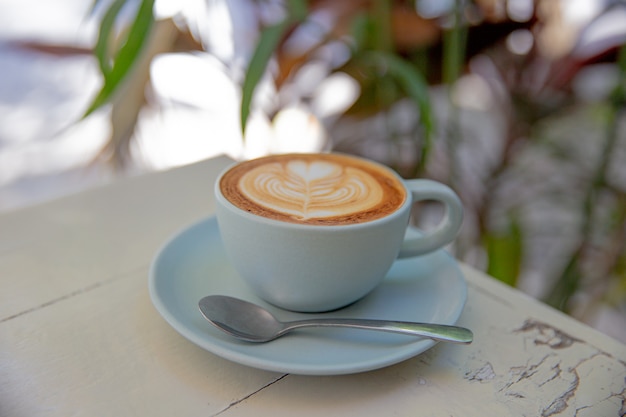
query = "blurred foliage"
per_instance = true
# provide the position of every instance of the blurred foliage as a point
(115, 63)
(400, 57)
(268, 42)
(505, 253)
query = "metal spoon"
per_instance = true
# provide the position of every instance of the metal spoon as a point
(253, 323)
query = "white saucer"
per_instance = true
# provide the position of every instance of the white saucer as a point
(193, 264)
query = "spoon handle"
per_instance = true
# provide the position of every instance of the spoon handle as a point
(439, 332)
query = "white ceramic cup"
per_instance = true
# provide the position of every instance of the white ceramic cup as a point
(315, 268)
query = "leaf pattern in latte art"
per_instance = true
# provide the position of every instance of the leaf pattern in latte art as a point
(311, 189)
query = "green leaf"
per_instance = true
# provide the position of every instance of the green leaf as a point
(115, 69)
(267, 44)
(101, 50)
(505, 251)
(268, 41)
(567, 284)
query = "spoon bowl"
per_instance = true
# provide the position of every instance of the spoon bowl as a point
(253, 323)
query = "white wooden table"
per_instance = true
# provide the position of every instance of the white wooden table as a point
(79, 335)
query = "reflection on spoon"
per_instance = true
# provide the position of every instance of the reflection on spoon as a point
(252, 323)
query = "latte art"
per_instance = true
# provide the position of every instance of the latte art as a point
(322, 189)
(311, 189)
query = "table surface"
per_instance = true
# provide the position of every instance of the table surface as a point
(79, 334)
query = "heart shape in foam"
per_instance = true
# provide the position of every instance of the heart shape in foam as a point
(311, 189)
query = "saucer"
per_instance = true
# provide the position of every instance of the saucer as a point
(193, 264)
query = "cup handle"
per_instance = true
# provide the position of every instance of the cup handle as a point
(447, 229)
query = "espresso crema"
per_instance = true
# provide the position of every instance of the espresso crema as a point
(321, 189)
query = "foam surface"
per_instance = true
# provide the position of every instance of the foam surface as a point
(313, 188)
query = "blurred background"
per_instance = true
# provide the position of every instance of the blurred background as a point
(519, 105)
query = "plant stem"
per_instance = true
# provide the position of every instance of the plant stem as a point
(569, 282)
(381, 16)
(454, 42)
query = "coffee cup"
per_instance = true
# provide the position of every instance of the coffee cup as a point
(316, 232)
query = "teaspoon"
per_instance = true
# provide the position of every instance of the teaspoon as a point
(252, 323)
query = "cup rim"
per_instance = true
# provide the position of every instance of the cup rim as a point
(221, 199)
